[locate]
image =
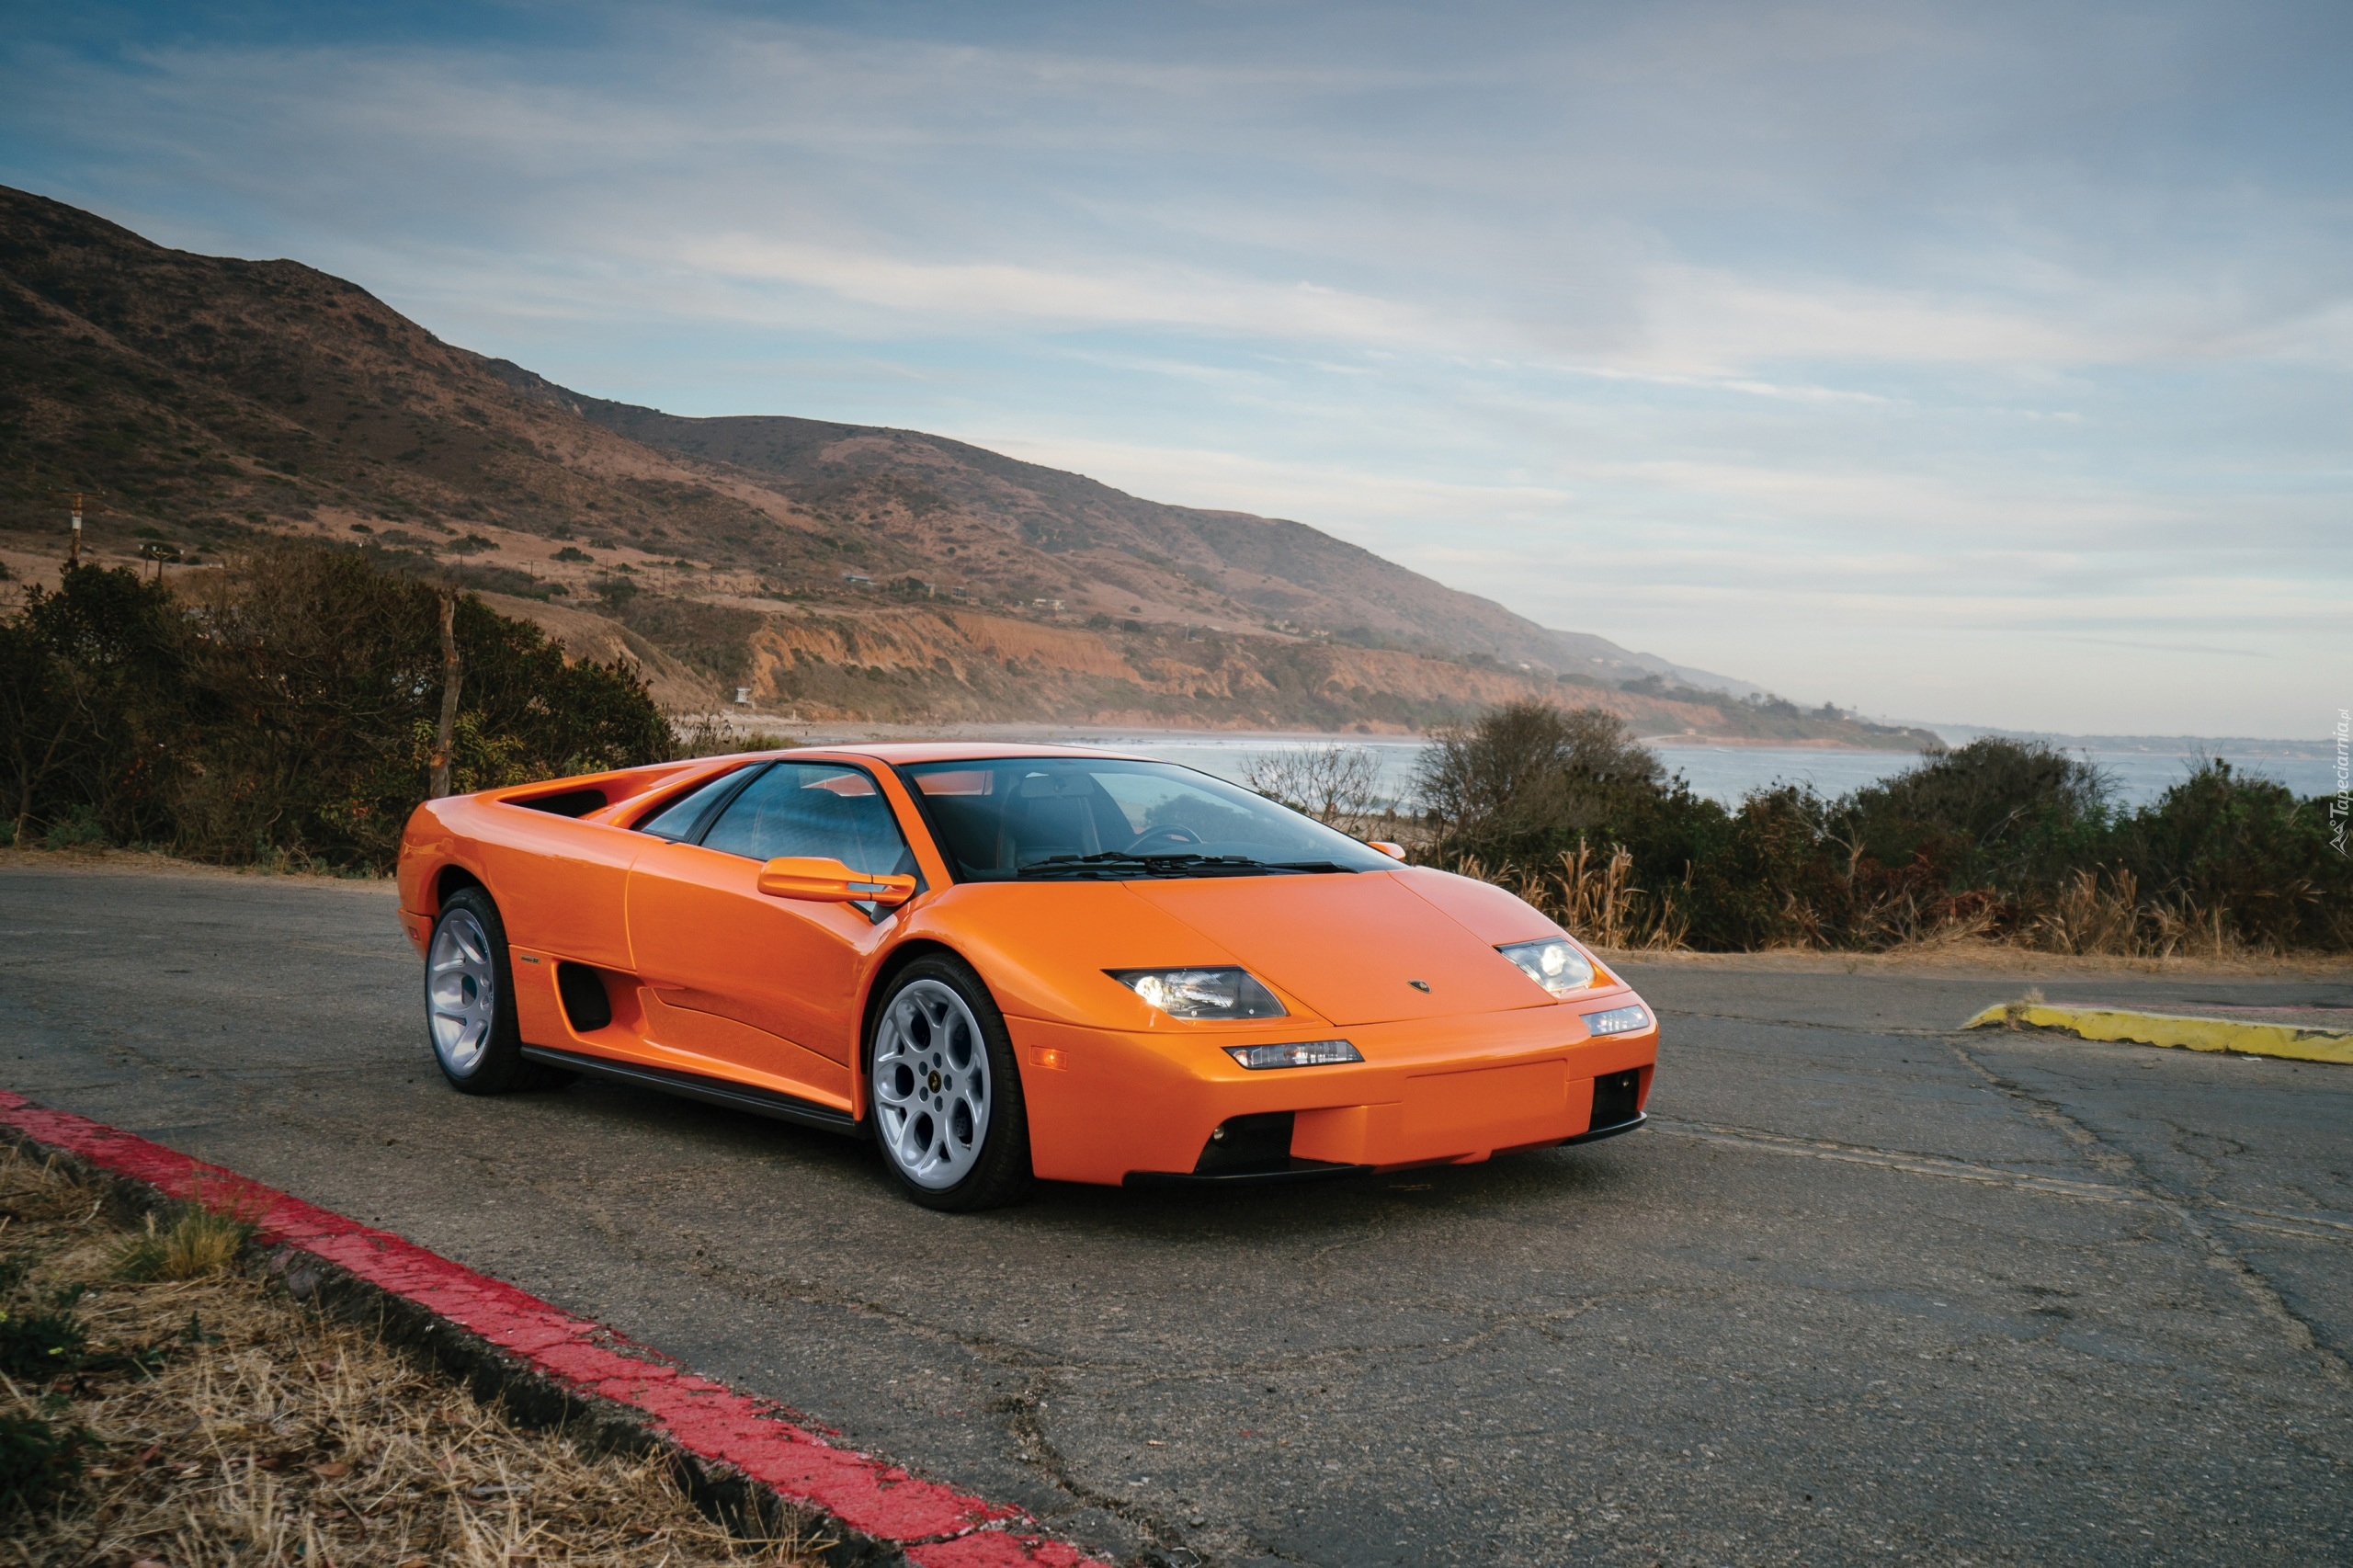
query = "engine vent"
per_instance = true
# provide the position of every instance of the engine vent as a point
(565, 803)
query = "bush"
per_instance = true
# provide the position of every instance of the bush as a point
(41, 1459)
(1998, 837)
(1995, 812)
(1327, 783)
(1527, 778)
(2247, 847)
(287, 712)
(38, 1345)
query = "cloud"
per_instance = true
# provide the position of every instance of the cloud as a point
(987, 295)
(1904, 353)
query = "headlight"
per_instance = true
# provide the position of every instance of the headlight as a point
(1619, 1020)
(1554, 964)
(1201, 993)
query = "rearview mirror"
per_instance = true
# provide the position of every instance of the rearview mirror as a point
(821, 881)
(1395, 851)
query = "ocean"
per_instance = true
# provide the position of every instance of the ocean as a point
(1726, 773)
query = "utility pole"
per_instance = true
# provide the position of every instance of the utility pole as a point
(446, 737)
(74, 549)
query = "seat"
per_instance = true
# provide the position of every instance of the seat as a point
(1050, 813)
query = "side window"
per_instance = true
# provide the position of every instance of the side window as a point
(682, 816)
(809, 808)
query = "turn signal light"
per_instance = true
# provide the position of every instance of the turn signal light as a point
(1619, 1020)
(1308, 1053)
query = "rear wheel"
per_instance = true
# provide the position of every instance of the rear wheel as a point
(470, 1000)
(944, 1097)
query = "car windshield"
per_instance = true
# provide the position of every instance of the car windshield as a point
(1103, 819)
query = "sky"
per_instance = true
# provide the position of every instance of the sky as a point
(1975, 363)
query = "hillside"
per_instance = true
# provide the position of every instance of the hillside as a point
(836, 571)
(1006, 529)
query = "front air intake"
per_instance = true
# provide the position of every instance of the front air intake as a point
(1616, 1098)
(1247, 1145)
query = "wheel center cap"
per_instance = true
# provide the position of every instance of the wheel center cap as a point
(935, 1080)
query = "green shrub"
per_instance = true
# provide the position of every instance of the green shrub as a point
(2245, 846)
(276, 716)
(1999, 837)
(77, 829)
(38, 1345)
(40, 1460)
(1527, 778)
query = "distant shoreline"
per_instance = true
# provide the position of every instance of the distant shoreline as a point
(2169, 747)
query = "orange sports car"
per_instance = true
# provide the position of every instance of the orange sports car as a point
(1005, 963)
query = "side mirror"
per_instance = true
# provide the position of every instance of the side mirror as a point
(821, 881)
(1395, 851)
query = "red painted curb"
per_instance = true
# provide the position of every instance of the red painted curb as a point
(936, 1525)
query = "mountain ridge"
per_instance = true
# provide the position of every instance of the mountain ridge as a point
(1061, 505)
(828, 569)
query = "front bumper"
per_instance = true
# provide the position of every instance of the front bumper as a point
(1107, 1106)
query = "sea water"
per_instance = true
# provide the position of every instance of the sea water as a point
(1724, 773)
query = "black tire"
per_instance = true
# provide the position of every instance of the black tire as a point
(987, 1156)
(474, 1039)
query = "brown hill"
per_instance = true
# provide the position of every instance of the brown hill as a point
(1003, 528)
(212, 399)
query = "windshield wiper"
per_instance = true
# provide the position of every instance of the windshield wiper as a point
(1119, 866)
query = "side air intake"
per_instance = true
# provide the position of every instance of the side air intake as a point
(586, 1002)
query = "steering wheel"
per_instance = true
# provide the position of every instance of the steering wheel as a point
(1163, 837)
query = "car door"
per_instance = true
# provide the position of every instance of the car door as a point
(766, 984)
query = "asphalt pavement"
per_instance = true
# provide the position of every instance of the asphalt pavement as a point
(1867, 1290)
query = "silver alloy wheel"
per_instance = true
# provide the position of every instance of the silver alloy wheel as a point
(931, 1083)
(460, 991)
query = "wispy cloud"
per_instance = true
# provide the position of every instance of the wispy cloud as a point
(1945, 359)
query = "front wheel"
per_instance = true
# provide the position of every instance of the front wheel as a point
(944, 1097)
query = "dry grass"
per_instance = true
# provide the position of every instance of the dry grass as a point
(722, 734)
(1595, 900)
(230, 1425)
(2105, 915)
(1998, 962)
(2095, 916)
(106, 860)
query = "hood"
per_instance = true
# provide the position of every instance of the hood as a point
(1347, 945)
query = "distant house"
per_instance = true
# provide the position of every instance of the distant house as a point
(857, 579)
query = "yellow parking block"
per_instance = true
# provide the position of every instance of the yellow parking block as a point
(2189, 1034)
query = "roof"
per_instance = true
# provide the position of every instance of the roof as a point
(955, 751)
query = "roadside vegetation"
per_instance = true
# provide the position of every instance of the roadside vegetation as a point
(283, 710)
(1999, 840)
(160, 1407)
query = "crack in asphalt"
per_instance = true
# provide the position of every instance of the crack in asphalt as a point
(2220, 1255)
(1024, 1416)
(2309, 1227)
(1891, 1031)
(1023, 1412)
